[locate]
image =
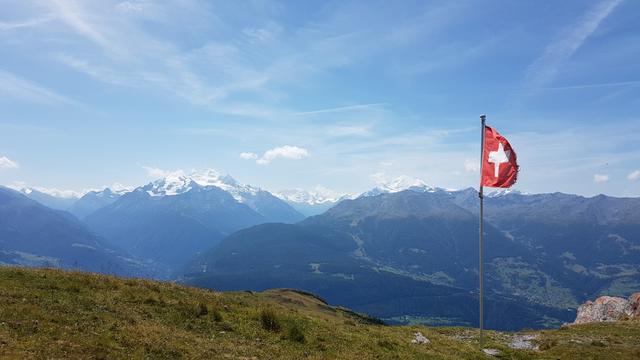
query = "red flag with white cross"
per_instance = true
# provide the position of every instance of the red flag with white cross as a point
(499, 162)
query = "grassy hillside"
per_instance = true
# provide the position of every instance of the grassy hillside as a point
(55, 314)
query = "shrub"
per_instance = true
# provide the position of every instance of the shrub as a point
(202, 309)
(217, 316)
(269, 320)
(598, 343)
(547, 344)
(295, 333)
(223, 326)
(386, 344)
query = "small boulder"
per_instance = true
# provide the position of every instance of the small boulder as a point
(418, 338)
(492, 352)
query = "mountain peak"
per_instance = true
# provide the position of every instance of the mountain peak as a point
(316, 196)
(398, 184)
(179, 182)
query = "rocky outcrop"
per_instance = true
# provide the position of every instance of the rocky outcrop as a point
(634, 306)
(609, 308)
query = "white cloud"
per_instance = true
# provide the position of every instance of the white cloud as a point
(635, 175)
(471, 166)
(156, 173)
(286, 152)
(600, 178)
(248, 156)
(6, 163)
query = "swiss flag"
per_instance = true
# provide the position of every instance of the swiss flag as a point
(499, 165)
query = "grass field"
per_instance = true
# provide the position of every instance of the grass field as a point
(51, 314)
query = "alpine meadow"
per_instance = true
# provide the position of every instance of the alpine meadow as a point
(279, 179)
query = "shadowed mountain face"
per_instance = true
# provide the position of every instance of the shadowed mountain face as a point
(92, 201)
(171, 229)
(582, 247)
(405, 257)
(34, 235)
(172, 220)
(54, 202)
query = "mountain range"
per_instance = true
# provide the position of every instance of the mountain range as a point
(403, 251)
(312, 202)
(411, 256)
(32, 234)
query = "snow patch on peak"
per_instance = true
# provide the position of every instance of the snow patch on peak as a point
(120, 189)
(319, 195)
(504, 192)
(179, 182)
(398, 184)
(56, 193)
(174, 183)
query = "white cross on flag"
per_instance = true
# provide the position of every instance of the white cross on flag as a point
(499, 165)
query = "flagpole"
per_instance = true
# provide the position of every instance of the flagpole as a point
(481, 233)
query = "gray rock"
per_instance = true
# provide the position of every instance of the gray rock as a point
(523, 342)
(418, 338)
(492, 352)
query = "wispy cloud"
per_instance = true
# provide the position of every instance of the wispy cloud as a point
(15, 87)
(37, 21)
(633, 176)
(592, 86)
(227, 77)
(545, 68)
(341, 109)
(73, 14)
(600, 178)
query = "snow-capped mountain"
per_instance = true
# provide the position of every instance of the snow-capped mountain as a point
(171, 219)
(504, 192)
(400, 183)
(179, 182)
(319, 195)
(261, 201)
(312, 202)
(53, 198)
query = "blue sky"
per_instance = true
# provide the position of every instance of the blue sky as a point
(339, 94)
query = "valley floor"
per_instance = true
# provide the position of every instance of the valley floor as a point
(71, 315)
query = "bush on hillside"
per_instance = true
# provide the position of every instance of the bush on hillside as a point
(269, 320)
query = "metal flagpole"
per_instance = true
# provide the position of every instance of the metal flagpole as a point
(481, 245)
